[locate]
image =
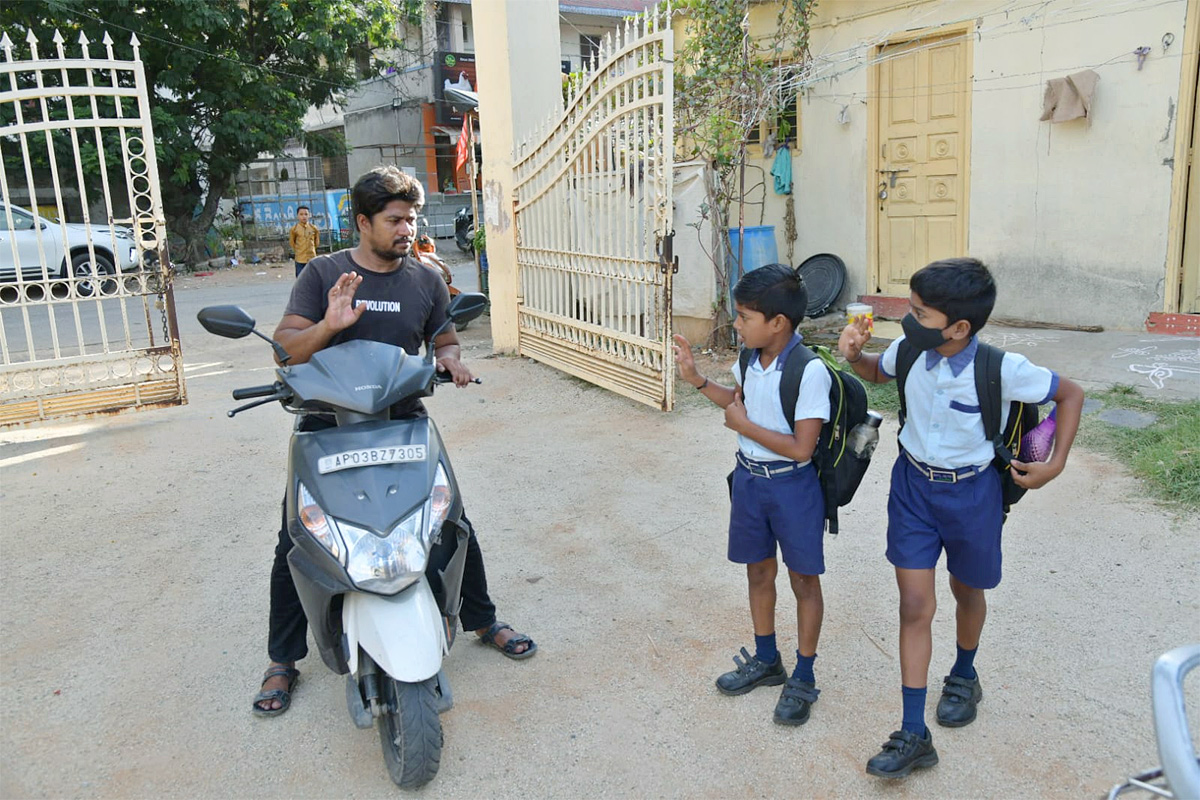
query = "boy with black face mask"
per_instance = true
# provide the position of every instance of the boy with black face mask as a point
(944, 492)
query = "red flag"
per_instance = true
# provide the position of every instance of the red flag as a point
(462, 153)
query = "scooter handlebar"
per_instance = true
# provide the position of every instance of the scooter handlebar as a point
(446, 377)
(255, 391)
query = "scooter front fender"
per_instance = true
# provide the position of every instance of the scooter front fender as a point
(404, 634)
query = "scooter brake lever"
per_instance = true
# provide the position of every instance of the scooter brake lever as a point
(256, 403)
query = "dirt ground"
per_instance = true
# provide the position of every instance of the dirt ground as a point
(134, 589)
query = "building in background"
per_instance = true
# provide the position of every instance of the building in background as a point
(400, 116)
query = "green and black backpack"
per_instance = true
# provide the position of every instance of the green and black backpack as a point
(839, 469)
(1022, 417)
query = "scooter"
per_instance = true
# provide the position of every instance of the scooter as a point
(377, 519)
(464, 230)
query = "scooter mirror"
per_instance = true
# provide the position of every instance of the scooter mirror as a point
(466, 307)
(228, 321)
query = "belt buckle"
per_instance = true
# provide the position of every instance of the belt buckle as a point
(943, 475)
(755, 469)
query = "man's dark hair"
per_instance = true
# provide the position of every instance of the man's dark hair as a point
(960, 288)
(303, 208)
(773, 289)
(373, 191)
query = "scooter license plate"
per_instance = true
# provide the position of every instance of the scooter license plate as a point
(371, 456)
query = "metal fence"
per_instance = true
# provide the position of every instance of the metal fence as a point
(87, 319)
(594, 218)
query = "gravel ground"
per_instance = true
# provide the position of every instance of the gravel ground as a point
(135, 598)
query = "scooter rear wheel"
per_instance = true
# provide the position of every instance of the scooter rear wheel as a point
(410, 732)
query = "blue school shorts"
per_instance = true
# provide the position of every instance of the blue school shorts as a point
(787, 511)
(964, 518)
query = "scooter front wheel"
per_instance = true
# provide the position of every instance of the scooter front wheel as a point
(410, 732)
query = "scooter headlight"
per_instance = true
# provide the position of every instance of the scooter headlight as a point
(385, 564)
(440, 500)
(313, 518)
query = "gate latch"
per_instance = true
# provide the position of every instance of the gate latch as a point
(667, 260)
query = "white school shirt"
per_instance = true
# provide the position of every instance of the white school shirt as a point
(765, 409)
(944, 427)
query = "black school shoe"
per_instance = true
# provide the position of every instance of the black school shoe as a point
(960, 696)
(750, 674)
(903, 752)
(795, 702)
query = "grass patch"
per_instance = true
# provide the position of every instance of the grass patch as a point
(883, 397)
(1165, 455)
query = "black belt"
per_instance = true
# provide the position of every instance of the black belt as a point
(761, 470)
(937, 475)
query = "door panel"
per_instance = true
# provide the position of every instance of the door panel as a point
(923, 92)
(1189, 298)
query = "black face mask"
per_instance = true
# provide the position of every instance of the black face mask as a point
(921, 337)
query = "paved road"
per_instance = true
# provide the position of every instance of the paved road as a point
(134, 593)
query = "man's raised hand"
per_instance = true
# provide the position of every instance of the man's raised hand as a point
(341, 313)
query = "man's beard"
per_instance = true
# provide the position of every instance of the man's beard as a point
(395, 253)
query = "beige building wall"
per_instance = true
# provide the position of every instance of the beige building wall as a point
(1072, 217)
(525, 78)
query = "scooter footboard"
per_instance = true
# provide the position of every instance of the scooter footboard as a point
(403, 634)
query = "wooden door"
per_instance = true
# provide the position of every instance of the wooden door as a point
(924, 121)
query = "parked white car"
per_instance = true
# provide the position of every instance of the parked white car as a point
(114, 247)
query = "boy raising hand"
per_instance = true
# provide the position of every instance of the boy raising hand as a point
(777, 502)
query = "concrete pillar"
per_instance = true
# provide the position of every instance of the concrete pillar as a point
(456, 21)
(517, 59)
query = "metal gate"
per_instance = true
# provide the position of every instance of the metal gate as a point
(87, 315)
(593, 219)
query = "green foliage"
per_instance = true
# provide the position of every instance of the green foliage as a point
(480, 239)
(230, 79)
(726, 86)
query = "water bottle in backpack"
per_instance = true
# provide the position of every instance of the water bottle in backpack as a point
(865, 435)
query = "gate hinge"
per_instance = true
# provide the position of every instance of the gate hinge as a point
(666, 255)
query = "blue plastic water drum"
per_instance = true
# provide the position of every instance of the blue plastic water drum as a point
(759, 250)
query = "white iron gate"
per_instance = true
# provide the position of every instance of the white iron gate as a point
(594, 221)
(87, 316)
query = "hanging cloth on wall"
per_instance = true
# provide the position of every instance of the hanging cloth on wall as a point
(782, 170)
(1070, 97)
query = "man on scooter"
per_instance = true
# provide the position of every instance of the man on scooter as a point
(377, 291)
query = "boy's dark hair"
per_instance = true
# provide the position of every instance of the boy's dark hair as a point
(773, 289)
(303, 208)
(960, 288)
(373, 191)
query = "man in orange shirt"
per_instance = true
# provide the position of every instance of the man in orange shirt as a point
(304, 238)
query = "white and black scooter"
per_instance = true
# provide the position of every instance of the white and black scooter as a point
(376, 517)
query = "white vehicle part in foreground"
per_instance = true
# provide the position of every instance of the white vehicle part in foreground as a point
(404, 634)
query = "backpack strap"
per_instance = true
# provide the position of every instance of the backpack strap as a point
(744, 357)
(906, 356)
(789, 384)
(793, 374)
(988, 360)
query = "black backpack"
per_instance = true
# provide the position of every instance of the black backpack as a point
(839, 469)
(1022, 417)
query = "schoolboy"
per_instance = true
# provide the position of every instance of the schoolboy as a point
(945, 493)
(776, 499)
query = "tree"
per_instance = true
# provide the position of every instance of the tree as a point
(726, 86)
(229, 79)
